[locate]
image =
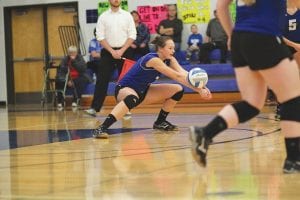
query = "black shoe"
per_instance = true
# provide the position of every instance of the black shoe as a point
(291, 167)
(165, 126)
(199, 145)
(100, 132)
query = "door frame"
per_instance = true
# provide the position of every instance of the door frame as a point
(9, 47)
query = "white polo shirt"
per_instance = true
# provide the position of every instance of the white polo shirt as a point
(115, 27)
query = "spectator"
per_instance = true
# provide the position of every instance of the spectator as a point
(115, 31)
(172, 26)
(194, 42)
(78, 78)
(216, 39)
(140, 45)
(95, 54)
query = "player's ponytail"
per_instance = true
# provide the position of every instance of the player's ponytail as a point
(160, 41)
(249, 2)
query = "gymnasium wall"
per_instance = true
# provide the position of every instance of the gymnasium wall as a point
(3, 90)
(87, 29)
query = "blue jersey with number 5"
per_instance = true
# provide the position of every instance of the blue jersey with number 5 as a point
(262, 17)
(292, 26)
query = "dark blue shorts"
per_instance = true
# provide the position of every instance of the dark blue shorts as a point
(258, 51)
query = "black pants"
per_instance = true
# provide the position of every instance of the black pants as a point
(104, 73)
(206, 48)
(78, 89)
(94, 65)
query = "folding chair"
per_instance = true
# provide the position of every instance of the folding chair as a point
(50, 74)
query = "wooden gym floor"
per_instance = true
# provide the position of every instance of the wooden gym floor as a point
(52, 155)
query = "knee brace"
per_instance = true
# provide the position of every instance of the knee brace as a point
(290, 110)
(245, 111)
(131, 101)
(178, 95)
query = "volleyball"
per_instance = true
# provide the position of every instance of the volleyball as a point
(197, 77)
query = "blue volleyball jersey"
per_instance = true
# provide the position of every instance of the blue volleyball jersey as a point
(292, 26)
(262, 17)
(139, 77)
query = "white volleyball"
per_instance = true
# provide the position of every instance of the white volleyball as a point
(197, 77)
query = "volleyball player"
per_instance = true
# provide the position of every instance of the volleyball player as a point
(291, 35)
(136, 87)
(260, 59)
(291, 31)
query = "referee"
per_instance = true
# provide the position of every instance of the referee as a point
(115, 31)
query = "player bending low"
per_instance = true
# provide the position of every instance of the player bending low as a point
(136, 87)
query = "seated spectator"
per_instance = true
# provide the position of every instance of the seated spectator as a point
(78, 78)
(194, 42)
(172, 26)
(216, 39)
(95, 54)
(140, 45)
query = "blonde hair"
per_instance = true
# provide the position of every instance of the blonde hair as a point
(249, 2)
(72, 49)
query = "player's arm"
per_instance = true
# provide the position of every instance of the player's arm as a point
(224, 17)
(175, 65)
(292, 44)
(179, 76)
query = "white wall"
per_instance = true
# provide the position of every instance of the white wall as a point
(87, 29)
(3, 87)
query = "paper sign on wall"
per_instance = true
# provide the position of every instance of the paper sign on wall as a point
(152, 15)
(103, 6)
(194, 11)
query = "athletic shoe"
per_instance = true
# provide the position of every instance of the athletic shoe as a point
(199, 145)
(291, 167)
(100, 132)
(165, 126)
(60, 107)
(91, 112)
(127, 116)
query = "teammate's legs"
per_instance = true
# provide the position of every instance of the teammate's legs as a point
(253, 90)
(287, 89)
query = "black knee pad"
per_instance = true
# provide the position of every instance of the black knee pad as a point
(290, 110)
(178, 95)
(245, 111)
(131, 101)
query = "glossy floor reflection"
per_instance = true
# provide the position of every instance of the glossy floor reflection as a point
(51, 155)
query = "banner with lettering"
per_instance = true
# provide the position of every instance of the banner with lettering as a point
(103, 6)
(152, 15)
(232, 9)
(194, 11)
